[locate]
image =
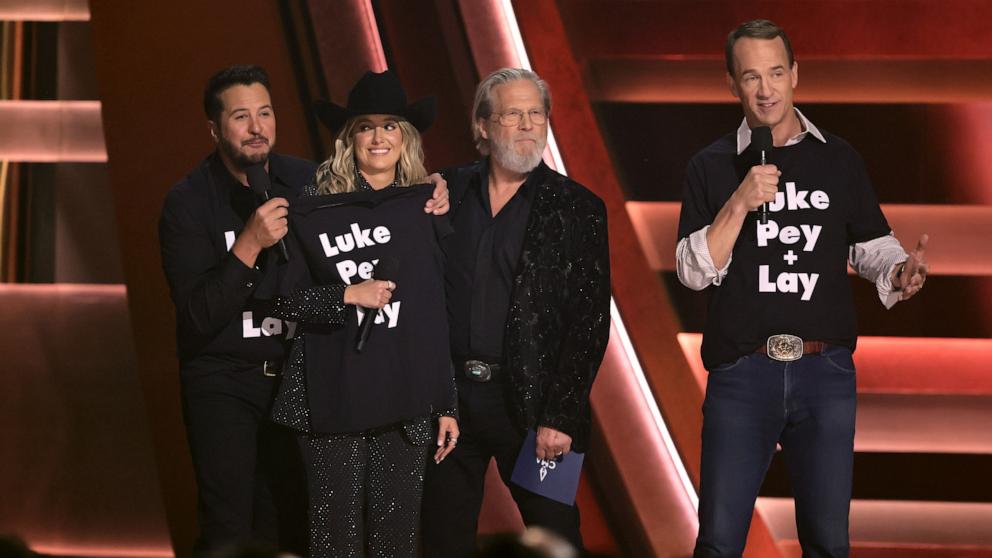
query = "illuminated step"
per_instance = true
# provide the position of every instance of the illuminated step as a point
(900, 423)
(910, 525)
(51, 132)
(44, 10)
(958, 234)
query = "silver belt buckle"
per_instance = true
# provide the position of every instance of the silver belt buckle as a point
(784, 347)
(270, 371)
(478, 370)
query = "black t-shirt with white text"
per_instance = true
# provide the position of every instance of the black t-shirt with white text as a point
(404, 371)
(790, 275)
(223, 307)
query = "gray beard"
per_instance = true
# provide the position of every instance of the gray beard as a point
(509, 159)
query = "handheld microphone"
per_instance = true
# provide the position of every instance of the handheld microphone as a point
(385, 270)
(258, 181)
(761, 141)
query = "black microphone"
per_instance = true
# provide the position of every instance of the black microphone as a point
(385, 270)
(258, 181)
(761, 141)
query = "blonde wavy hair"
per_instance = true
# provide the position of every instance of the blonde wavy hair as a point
(337, 174)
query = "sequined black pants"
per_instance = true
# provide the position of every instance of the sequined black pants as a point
(453, 490)
(365, 493)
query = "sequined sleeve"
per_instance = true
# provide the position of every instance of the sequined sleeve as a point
(452, 410)
(322, 304)
(587, 313)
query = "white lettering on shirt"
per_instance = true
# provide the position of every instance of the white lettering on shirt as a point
(357, 239)
(787, 282)
(267, 328)
(389, 314)
(792, 199)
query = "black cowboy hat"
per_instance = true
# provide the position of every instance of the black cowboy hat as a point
(378, 94)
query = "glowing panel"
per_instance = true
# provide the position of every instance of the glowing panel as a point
(103, 551)
(924, 423)
(52, 131)
(44, 10)
(897, 522)
(78, 476)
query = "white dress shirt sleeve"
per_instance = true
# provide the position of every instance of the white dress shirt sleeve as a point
(875, 260)
(693, 263)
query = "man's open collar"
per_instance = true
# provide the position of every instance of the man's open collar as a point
(744, 133)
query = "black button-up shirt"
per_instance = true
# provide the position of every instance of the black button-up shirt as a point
(483, 259)
(222, 307)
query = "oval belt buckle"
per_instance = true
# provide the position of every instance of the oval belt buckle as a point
(784, 347)
(478, 370)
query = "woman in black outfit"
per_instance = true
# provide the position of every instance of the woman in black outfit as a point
(365, 487)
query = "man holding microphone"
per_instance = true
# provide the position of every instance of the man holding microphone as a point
(781, 325)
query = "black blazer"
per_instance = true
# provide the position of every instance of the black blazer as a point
(559, 319)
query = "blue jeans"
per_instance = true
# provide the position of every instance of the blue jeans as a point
(807, 406)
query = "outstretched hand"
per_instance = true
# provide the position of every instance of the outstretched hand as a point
(910, 278)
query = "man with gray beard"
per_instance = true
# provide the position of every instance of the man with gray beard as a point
(528, 287)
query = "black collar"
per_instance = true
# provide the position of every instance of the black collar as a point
(530, 186)
(363, 185)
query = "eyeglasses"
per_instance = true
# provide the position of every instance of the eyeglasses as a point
(514, 117)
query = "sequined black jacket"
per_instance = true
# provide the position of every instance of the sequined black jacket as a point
(559, 319)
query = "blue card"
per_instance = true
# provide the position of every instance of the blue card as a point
(557, 479)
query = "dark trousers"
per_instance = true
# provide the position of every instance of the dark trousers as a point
(365, 493)
(807, 406)
(249, 475)
(453, 490)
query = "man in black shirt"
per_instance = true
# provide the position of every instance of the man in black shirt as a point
(213, 242)
(781, 326)
(528, 291)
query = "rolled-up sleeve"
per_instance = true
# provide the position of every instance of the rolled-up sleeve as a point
(875, 261)
(693, 263)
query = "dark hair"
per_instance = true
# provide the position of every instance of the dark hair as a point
(239, 74)
(756, 29)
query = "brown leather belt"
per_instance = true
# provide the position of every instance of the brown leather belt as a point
(787, 348)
